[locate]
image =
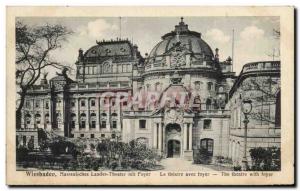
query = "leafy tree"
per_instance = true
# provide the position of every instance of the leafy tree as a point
(34, 46)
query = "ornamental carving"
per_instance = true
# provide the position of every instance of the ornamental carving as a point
(177, 58)
(173, 116)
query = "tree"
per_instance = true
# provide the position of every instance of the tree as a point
(34, 46)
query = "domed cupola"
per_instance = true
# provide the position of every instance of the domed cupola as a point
(180, 48)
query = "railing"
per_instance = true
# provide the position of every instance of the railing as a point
(100, 85)
(215, 111)
(259, 66)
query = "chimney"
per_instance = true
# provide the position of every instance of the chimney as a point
(217, 54)
(44, 80)
(80, 55)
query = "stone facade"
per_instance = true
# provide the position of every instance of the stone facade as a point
(199, 115)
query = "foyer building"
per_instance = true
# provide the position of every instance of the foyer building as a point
(177, 99)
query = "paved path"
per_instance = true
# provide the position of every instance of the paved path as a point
(179, 164)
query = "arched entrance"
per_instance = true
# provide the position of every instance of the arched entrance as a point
(173, 149)
(173, 140)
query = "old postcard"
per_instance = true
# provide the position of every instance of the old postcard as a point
(150, 96)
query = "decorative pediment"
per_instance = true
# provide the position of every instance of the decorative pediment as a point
(173, 116)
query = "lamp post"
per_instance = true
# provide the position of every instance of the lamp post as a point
(246, 109)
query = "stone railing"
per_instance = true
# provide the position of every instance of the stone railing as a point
(215, 112)
(100, 86)
(260, 66)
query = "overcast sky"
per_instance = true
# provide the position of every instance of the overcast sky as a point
(253, 36)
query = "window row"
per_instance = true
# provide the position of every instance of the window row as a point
(210, 86)
(105, 68)
(37, 104)
(113, 136)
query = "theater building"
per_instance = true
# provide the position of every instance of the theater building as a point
(176, 100)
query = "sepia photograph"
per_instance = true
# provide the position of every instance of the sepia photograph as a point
(126, 96)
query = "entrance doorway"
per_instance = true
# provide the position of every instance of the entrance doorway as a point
(173, 149)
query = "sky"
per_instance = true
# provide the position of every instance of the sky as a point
(254, 38)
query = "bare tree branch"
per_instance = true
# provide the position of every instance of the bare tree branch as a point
(33, 48)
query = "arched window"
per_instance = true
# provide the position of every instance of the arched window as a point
(209, 86)
(157, 86)
(37, 118)
(114, 118)
(197, 85)
(93, 120)
(278, 111)
(73, 120)
(103, 120)
(47, 118)
(82, 120)
(148, 87)
(207, 145)
(208, 104)
(93, 103)
(221, 89)
(28, 119)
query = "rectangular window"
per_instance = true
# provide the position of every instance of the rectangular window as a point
(27, 104)
(37, 103)
(102, 135)
(207, 145)
(82, 124)
(209, 86)
(24, 140)
(47, 104)
(113, 136)
(120, 68)
(103, 124)
(207, 124)
(142, 124)
(114, 124)
(81, 135)
(72, 103)
(92, 136)
(72, 124)
(93, 103)
(93, 124)
(82, 103)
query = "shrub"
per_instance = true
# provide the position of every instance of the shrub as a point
(237, 168)
(21, 154)
(31, 144)
(202, 157)
(265, 159)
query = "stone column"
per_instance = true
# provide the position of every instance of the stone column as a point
(97, 114)
(190, 136)
(159, 136)
(184, 136)
(78, 116)
(42, 123)
(87, 123)
(33, 115)
(155, 136)
(23, 121)
(119, 118)
(164, 139)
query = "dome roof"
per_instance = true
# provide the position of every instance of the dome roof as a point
(190, 39)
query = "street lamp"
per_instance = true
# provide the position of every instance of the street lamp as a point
(246, 109)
